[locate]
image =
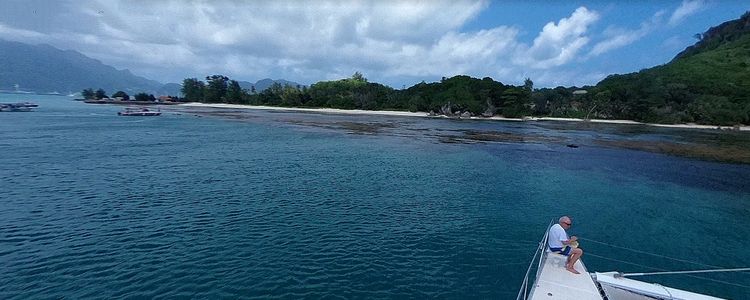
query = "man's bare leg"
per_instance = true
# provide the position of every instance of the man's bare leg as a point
(572, 259)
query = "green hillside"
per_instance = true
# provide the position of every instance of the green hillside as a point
(707, 83)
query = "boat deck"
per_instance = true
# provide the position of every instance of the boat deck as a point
(629, 289)
(554, 282)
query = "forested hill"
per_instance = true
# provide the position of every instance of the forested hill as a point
(43, 68)
(708, 82)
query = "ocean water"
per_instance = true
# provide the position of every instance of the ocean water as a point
(210, 203)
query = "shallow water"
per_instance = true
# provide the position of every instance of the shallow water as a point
(209, 203)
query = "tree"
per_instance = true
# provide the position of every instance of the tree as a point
(122, 95)
(234, 92)
(271, 95)
(100, 94)
(291, 96)
(141, 97)
(718, 110)
(193, 89)
(216, 88)
(88, 94)
(528, 85)
(516, 102)
(598, 103)
(359, 77)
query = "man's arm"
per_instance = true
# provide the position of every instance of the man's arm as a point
(572, 239)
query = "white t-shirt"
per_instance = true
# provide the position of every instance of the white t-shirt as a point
(556, 236)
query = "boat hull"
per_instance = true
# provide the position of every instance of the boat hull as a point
(17, 107)
(139, 114)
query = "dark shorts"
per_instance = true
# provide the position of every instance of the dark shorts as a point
(564, 251)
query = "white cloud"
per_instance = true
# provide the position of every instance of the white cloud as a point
(618, 38)
(457, 53)
(249, 40)
(328, 34)
(341, 37)
(10, 33)
(687, 8)
(565, 77)
(559, 43)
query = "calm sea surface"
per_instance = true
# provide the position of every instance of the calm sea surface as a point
(208, 203)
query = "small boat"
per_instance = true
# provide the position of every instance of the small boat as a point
(16, 107)
(130, 111)
(553, 281)
(27, 104)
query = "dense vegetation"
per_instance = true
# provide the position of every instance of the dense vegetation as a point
(90, 94)
(707, 83)
(456, 95)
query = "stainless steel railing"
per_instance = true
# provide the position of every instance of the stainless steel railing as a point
(523, 293)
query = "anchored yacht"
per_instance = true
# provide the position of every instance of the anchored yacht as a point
(130, 111)
(15, 107)
(554, 282)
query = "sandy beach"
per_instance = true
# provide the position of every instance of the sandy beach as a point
(426, 115)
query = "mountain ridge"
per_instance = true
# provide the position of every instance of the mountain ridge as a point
(265, 83)
(44, 68)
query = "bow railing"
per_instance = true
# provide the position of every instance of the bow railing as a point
(523, 293)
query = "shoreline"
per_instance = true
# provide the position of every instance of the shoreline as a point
(426, 115)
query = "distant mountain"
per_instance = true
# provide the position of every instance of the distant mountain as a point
(708, 82)
(172, 89)
(263, 84)
(266, 83)
(44, 69)
(245, 85)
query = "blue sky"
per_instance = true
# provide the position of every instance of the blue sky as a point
(660, 29)
(398, 43)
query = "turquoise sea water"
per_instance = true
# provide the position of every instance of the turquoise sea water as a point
(210, 203)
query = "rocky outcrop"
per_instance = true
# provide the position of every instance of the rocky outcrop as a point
(447, 109)
(490, 111)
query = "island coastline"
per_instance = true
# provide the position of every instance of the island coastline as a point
(427, 115)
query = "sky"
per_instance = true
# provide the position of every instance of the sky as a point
(397, 43)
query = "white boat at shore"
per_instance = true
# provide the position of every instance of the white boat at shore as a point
(142, 111)
(17, 107)
(554, 282)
